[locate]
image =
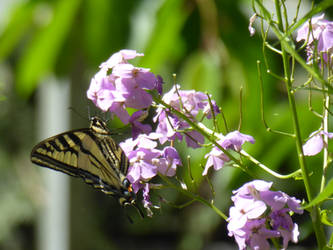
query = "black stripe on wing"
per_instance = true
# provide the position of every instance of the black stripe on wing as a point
(62, 153)
(89, 178)
(105, 170)
(113, 154)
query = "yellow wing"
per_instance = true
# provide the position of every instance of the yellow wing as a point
(90, 154)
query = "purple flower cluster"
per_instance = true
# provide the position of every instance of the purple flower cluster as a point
(119, 85)
(216, 157)
(319, 35)
(190, 103)
(259, 214)
(146, 161)
(316, 142)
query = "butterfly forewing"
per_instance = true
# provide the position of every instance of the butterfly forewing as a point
(88, 153)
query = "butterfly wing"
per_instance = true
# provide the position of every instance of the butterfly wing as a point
(82, 153)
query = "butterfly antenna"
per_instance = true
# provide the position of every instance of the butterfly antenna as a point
(77, 113)
(139, 211)
(88, 110)
(129, 218)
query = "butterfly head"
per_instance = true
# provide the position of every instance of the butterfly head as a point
(99, 126)
(128, 196)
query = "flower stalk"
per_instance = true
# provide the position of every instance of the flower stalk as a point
(287, 48)
(193, 196)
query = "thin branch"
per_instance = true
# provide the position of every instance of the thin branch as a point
(224, 120)
(296, 175)
(193, 196)
(262, 109)
(189, 168)
(216, 128)
(240, 108)
(311, 109)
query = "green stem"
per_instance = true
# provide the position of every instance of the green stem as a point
(287, 46)
(325, 155)
(194, 197)
(315, 213)
(268, 170)
(254, 160)
(330, 243)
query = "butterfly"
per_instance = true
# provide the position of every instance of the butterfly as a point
(89, 153)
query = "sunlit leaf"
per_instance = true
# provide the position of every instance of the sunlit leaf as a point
(42, 52)
(324, 217)
(165, 42)
(326, 193)
(20, 20)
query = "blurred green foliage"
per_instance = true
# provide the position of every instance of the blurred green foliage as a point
(206, 43)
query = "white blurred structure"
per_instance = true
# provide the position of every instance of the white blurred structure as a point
(53, 118)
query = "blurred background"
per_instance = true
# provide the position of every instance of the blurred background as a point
(49, 50)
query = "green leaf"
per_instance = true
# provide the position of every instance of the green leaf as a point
(326, 193)
(325, 218)
(165, 42)
(41, 54)
(19, 22)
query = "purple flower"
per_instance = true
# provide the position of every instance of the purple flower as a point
(278, 200)
(159, 84)
(190, 103)
(146, 161)
(187, 101)
(216, 158)
(244, 210)
(146, 198)
(252, 20)
(119, 85)
(234, 141)
(102, 90)
(167, 126)
(120, 57)
(282, 222)
(254, 234)
(316, 142)
(169, 161)
(194, 139)
(320, 32)
(142, 167)
(147, 204)
(259, 214)
(258, 234)
(252, 188)
(132, 82)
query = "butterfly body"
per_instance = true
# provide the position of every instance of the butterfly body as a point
(89, 153)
